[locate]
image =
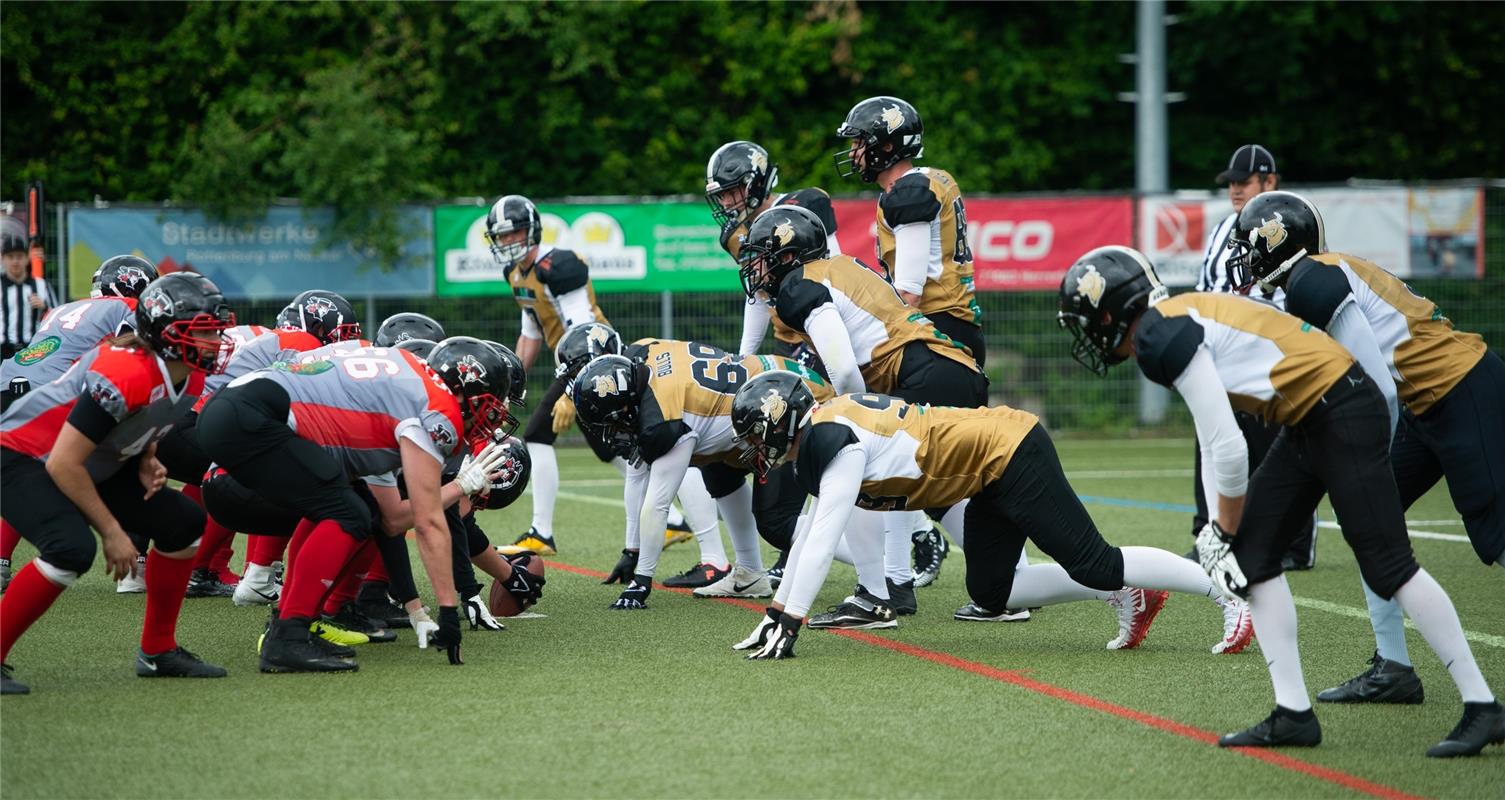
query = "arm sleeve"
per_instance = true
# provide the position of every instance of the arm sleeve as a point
(911, 256)
(1225, 455)
(530, 326)
(833, 343)
(633, 491)
(839, 487)
(1352, 330)
(575, 308)
(755, 319)
(664, 477)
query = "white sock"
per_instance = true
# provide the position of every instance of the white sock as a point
(544, 481)
(865, 537)
(1048, 585)
(1153, 568)
(1274, 613)
(1432, 610)
(700, 515)
(256, 574)
(897, 545)
(736, 511)
(1389, 624)
(954, 523)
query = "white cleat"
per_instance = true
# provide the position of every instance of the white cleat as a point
(134, 583)
(740, 582)
(257, 587)
(1238, 626)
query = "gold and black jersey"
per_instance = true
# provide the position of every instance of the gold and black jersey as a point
(917, 456)
(929, 196)
(690, 390)
(814, 199)
(1427, 357)
(876, 318)
(537, 291)
(1271, 363)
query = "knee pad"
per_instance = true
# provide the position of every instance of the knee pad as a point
(74, 556)
(61, 577)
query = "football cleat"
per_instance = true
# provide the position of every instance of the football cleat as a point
(930, 549)
(1238, 626)
(1283, 728)
(1482, 724)
(901, 597)
(676, 533)
(697, 576)
(385, 612)
(973, 612)
(334, 633)
(288, 647)
(9, 685)
(861, 611)
(257, 587)
(537, 543)
(205, 582)
(350, 619)
(175, 663)
(775, 576)
(1384, 682)
(739, 582)
(1136, 609)
(134, 583)
(479, 615)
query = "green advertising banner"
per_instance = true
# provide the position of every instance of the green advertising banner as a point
(642, 247)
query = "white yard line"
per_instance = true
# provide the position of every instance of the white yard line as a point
(1414, 534)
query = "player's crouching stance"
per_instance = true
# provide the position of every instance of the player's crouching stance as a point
(997, 466)
(1218, 350)
(80, 452)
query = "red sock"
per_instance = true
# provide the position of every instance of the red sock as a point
(166, 582)
(220, 563)
(318, 564)
(27, 598)
(216, 537)
(295, 544)
(194, 493)
(264, 550)
(9, 538)
(350, 578)
(378, 571)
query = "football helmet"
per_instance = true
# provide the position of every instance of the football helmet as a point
(888, 131)
(480, 380)
(326, 316)
(515, 469)
(183, 316)
(510, 214)
(1273, 232)
(418, 347)
(582, 343)
(519, 392)
(287, 319)
(407, 325)
(607, 393)
(123, 276)
(738, 164)
(779, 241)
(767, 412)
(1101, 296)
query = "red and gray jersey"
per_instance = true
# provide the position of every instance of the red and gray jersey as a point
(129, 385)
(259, 352)
(358, 402)
(66, 334)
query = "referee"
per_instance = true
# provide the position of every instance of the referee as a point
(24, 301)
(1251, 171)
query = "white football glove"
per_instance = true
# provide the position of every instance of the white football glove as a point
(480, 616)
(475, 473)
(760, 634)
(780, 644)
(1215, 553)
(423, 626)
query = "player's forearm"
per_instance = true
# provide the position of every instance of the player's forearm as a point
(434, 550)
(527, 349)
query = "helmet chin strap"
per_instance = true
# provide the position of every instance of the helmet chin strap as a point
(1268, 282)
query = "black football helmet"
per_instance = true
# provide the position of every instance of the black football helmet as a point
(510, 214)
(407, 325)
(767, 413)
(778, 242)
(123, 276)
(515, 469)
(875, 124)
(607, 393)
(418, 347)
(735, 164)
(582, 343)
(287, 319)
(183, 316)
(515, 370)
(480, 380)
(1101, 296)
(326, 316)
(1273, 232)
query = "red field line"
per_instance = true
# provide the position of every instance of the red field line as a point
(1272, 757)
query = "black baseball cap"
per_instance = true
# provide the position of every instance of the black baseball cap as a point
(1248, 160)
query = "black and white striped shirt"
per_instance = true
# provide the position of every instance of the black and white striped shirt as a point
(1215, 254)
(18, 320)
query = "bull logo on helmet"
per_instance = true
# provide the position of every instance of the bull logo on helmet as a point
(773, 406)
(318, 306)
(1273, 231)
(758, 160)
(598, 336)
(1091, 285)
(784, 233)
(158, 304)
(604, 385)
(892, 118)
(469, 370)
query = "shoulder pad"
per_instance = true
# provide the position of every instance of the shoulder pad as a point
(910, 200)
(817, 201)
(818, 447)
(564, 272)
(798, 296)
(1315, 292)
(1164, 346)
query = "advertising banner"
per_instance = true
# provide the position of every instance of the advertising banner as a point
(631, 247)
(273, 258)
(1447, 227)
(1023, 244)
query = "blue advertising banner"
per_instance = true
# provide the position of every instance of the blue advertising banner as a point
(273, 258)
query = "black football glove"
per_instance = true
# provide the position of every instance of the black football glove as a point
(781, 644)
(626, 565)
(635, 596)
(524, 585)
(448, 635)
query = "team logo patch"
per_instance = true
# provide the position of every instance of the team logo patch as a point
(38, 350)
(1091, 285)
(442, 435)
(470, 370)
(1273, 231)
(604, 385)
(304, 367)
(758, 160)
(107, 396)
(157, 304)
(784, 233)
(892, 118)
(773, 406)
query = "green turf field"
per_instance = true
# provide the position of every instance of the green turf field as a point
(590, 702)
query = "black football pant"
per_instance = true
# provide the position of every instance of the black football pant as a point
(1032, 500)
(44, 516)
(928, 378)
(180, 452)
(540, 427)
(1341, 449)
(776, 502)
(964, 333)
(1259, 436)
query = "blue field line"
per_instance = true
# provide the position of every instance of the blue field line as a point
(1148, 505)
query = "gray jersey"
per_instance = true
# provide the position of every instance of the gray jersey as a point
(256, 348)
(65, 335)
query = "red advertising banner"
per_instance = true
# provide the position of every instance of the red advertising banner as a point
(1023, 244)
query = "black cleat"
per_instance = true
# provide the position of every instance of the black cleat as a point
(383, 612)
(861, 611)
(175, 663)
(289, 647)
(901, 597)
(1283, 728)
(9, 685)
(1384, 682)
(973, 612)
(697, 576)
(205, 582)
(351, 619)
(1482, 724)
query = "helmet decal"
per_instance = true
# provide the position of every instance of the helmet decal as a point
(893, 118)
(605, 385)
(756, 157)
(784, 233)
(1273, 231)
(157, 304)
(1091, 285)
(317, 306)
(773, 406)
(600, 335)
(469, 370)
